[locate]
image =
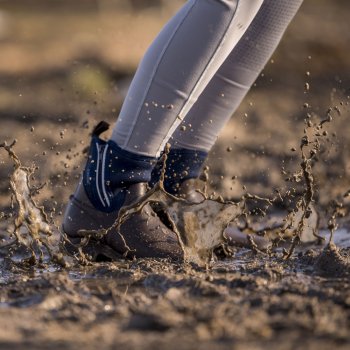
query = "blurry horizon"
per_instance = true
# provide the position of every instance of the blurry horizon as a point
(95, 44)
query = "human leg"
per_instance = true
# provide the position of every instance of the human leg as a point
(176, 69)
(172, 75)
(198, 132)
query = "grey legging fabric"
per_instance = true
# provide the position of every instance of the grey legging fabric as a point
(197, 71)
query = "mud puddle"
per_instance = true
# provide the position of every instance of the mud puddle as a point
(251, 300)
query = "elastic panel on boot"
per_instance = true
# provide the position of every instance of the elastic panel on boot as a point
(182, 164)
(110, 170)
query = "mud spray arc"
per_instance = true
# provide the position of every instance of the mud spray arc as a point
(202, 228)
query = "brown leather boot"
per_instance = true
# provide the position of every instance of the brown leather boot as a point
(113, 179)
(142, 235)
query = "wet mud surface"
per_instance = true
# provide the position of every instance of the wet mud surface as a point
(284, 156)
(254, 302)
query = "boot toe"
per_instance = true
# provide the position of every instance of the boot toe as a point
(143, 234)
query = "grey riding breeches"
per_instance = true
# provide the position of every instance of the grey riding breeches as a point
(197, 71)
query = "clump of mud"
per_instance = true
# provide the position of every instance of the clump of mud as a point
(333, 262)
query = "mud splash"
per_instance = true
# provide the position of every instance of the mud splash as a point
(261, 292)
(201, 227)
(32, 229)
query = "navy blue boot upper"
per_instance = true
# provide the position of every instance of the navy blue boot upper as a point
(182, 164)
(110, 170)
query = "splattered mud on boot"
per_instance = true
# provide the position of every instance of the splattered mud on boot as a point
(199, 226)
(202, 227)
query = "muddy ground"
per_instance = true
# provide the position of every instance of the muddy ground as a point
(64, 68)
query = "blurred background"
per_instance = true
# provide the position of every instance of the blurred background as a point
(64, 65)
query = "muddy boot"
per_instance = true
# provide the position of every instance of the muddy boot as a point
(114, 178)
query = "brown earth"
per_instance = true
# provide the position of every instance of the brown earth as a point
(63, 68)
